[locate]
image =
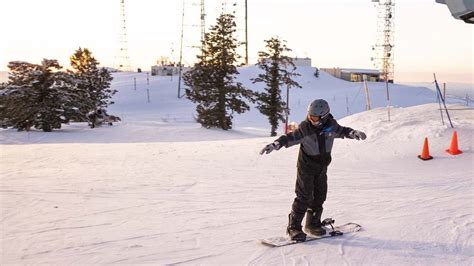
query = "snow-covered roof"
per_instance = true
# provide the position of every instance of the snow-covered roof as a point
(360, 71)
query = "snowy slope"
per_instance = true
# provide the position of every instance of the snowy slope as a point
(167, 118)
(159, 189)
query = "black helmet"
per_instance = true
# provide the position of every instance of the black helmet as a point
(319, 107)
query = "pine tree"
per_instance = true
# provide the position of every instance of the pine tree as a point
(211, 80)
(4, 121)
(94, 82)
(38, 96)
(278, 70)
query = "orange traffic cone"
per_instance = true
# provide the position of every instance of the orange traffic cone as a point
(425, 153)
(453, 150)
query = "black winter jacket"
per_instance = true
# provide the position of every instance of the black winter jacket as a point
(316, 142)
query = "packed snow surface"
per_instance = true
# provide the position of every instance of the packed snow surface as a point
(157, 188)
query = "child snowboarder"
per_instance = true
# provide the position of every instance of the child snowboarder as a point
(316, 136)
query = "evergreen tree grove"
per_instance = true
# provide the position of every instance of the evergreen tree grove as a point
(278, 70)
(38, 96)
(211, 80)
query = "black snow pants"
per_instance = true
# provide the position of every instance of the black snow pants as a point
(311, 182)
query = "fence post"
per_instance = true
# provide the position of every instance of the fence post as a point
(444, 90)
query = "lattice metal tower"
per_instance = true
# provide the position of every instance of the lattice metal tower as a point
(234, 7)
(383, 48)
(188, 38)
(203, 21)
(122, 60)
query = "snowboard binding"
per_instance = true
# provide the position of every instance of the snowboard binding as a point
(331, 221)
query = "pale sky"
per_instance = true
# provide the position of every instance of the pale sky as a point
(333, 33)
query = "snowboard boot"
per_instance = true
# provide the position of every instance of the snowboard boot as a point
(313, 223)
(294, 227)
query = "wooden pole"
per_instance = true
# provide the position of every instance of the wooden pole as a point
(347, 105)
(388, 96)
(438, 96)
(444, 102)
(444, 90)
(367, 98)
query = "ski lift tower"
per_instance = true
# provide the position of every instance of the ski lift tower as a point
(202, 35)
(122, 61)
(383, 48)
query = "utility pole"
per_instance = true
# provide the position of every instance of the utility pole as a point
(181, 55)
(246, 37)
(388, 97)
(287, 106)
(203, 21)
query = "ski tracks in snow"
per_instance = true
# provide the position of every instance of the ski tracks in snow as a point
(209, 202)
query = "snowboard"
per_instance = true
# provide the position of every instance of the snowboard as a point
(332, 231)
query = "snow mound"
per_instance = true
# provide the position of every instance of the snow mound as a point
(404, 134)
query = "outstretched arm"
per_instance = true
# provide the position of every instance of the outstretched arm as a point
(347, 132)
(287, 140)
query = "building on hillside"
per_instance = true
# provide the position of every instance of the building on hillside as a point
(354, 74)
(164, 67)
(166, 70)
(303, 62)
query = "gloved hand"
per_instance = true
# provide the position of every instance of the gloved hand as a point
(358, 135)
(270, 147)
